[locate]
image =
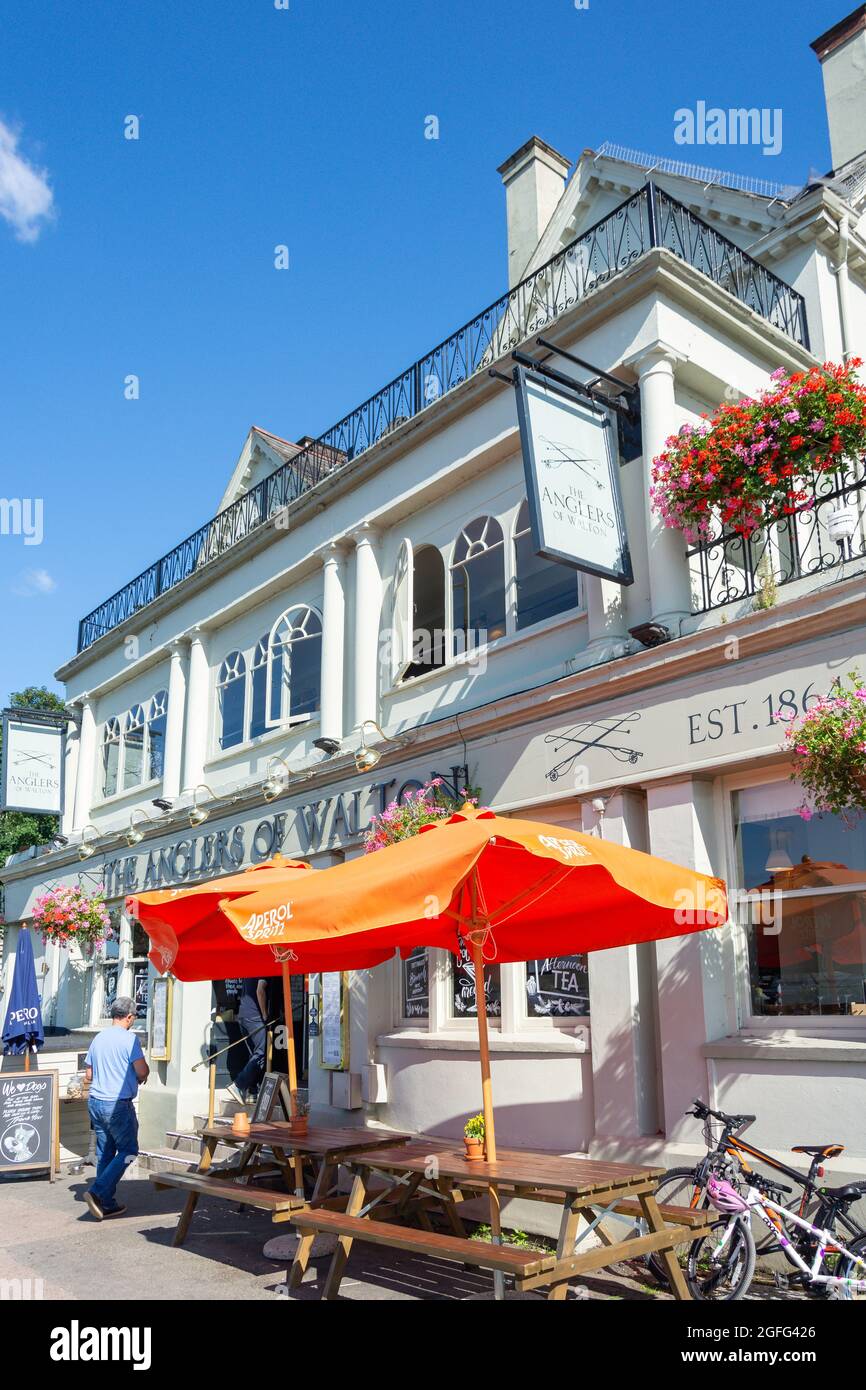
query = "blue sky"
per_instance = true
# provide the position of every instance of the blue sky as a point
(302, 126)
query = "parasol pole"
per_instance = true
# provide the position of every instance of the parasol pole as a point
(27, 1057)
(486, 1082)
(293, 1069)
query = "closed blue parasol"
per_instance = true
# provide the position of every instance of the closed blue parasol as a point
(23, 1027)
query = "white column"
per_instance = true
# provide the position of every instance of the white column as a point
(174, 720)
(86, 764)
(368, 601)
(605, 612)
(670, 596)
(622, 1005)
(197, 722)
(333, 642)
(696, 973)
(70, 777)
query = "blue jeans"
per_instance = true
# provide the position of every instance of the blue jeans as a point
(116, 1127)
(253, 1025)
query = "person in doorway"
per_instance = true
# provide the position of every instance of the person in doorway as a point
(114, 1070)
(252, 1013)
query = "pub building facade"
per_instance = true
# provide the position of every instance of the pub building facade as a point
(372, 599)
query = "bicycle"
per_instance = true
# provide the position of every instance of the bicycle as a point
(711, 1259)
(729, 1154)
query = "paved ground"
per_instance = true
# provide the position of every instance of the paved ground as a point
(47, 1233)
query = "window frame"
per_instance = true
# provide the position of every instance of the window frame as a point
(577, 607)
(749, 1022)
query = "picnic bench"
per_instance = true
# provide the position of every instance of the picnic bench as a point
(321, 1149)
(584, 1189)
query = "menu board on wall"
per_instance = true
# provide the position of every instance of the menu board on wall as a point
(334, 1020)
(416, 984)
(558, 986)
(28, 1121)
(464, 986)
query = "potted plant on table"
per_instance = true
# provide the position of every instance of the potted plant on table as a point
(828, 747)
(299, 1122)
(473, 1137)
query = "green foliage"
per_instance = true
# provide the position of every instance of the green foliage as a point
(474, 1127)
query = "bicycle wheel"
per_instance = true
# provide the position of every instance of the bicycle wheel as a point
(847, 1269)
(675, 1188)
(720, 1270)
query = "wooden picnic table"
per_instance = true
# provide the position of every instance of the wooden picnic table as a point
(425, 1174)
(321, 1148)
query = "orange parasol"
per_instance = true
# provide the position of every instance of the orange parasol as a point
(513, 889)
(191, 937)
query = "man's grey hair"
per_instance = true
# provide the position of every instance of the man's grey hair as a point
(123, 1006)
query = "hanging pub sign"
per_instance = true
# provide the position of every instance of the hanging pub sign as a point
(572, 478)
(32, 763)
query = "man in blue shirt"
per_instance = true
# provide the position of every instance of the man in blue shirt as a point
(115, 1066)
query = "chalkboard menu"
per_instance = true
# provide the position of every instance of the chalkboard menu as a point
(416, 985)
(273, 1100)
(557, 986)
(28, 1120)
(463, 973)
(140, 989)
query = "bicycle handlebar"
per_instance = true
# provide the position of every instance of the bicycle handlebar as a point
(703, 1112)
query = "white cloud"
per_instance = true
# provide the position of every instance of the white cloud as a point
(26, 201)
(33, 582)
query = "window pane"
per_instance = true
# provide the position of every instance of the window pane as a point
(416, 984)
(463, 986)
(133, 748)
(806, 921)
(259, 693)
(305, 656)
(140, 941)
(110, 760)
(557, 987)
(110, 978)
(479, 596)
(156, 743)
(543, 588)
(428, 619)
(141, 990)
(232, 713)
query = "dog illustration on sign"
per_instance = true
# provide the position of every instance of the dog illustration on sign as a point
(593, 733)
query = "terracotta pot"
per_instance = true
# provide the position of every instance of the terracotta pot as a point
(240, 1122)
(474, 1149)
(300, 1124)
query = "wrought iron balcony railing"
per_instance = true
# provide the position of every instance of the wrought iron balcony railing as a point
(648, 219)
(730, 568)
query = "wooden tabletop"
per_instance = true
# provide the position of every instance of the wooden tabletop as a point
(513, 1167)
(319, 1139)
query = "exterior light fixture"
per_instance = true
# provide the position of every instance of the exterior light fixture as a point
(162, 803)
(88, 847)
(366, 758)
(272, 787)
(841, 527)
(59, 841)
(328, 745)
(651, 634)
(199, 814)
(135, 834)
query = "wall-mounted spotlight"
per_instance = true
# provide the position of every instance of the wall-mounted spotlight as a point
(272, 787)
(88, 847)
(135, 834)
(59, 841)
(162, 803)
(328, 745)
(366, 758)
(199, 814)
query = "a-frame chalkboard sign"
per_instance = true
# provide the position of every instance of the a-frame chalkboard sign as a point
(29, 1121)
(274, 1101)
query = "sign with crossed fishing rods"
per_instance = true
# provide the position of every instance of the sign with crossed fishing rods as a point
(32, 763)
(607, 735)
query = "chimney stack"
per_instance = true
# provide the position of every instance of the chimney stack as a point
(842, 53)
(534, 178)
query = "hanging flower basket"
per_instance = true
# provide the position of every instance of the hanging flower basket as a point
(425, 806)
(748, 464)
(68, 914)
(828, 746)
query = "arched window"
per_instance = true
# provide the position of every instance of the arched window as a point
(133, 747)
(296, 664)
(156, 721)
(478, 582)
(231, 687)
(110, 756)
(419, 611)
(543, 588)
